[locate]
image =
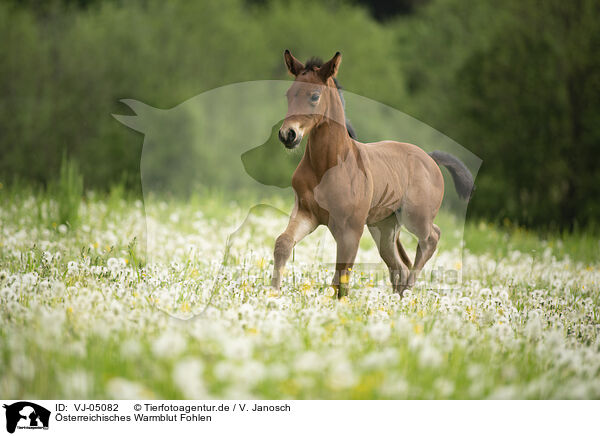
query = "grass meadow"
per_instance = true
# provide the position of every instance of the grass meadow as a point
(85, 312)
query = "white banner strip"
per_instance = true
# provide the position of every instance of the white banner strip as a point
(293, 417)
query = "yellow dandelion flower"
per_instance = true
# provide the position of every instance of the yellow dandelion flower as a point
(329, 292)
(305, 288)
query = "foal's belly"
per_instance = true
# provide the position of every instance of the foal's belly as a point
(379, 214)
(389, 188)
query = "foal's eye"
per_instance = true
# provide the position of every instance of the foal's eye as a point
(315, 97)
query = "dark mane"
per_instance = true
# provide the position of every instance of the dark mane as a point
(311, 65)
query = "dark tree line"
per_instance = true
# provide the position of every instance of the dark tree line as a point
(516, 82)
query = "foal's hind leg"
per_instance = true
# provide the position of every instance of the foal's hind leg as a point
(402, 252)
(385, 233)
(427, 244)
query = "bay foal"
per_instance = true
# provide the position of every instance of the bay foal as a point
(345, 184)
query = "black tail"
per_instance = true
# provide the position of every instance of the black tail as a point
(463, 179)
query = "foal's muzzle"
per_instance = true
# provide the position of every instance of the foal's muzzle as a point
(290, 137)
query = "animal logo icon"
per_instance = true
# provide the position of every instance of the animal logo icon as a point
(26, 415)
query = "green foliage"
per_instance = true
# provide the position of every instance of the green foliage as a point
(517, 83)
(67, 192)
(67, 69)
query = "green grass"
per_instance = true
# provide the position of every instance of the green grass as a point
(84, 313)
(67, 191)
(580, 245)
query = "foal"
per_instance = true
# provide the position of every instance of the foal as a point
(345, 184)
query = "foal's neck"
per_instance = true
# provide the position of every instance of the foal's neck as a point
(329, 141)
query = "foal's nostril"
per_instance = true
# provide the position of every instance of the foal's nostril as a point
(287, 136)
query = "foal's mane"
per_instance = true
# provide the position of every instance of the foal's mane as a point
(313, 63)
(316, 62)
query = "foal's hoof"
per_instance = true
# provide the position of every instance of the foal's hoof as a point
(400, 290)
(338, 291)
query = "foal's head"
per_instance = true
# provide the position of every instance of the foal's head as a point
(312, 98)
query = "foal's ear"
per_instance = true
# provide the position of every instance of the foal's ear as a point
(294, 66)
(330, 68)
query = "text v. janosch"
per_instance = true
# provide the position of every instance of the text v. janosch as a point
(242, 407)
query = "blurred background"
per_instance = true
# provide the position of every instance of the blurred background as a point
(515, 82)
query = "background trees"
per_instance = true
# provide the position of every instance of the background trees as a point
(517, 83)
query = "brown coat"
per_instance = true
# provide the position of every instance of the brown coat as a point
(345, 184)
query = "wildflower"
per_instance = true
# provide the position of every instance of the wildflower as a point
(308, 361)
(246, 310)
(533, 329)
(444, 387)
(168, 344)
(76, 384)
(430, 356)
(113, 264)
(261, 263)
(342, 375)
(188, 377)
(72, 268)
(379, 331)
(123, 389)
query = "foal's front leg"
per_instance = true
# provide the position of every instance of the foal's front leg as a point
(301, 224)
(347, 240)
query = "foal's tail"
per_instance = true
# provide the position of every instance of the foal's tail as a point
(463, 179)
